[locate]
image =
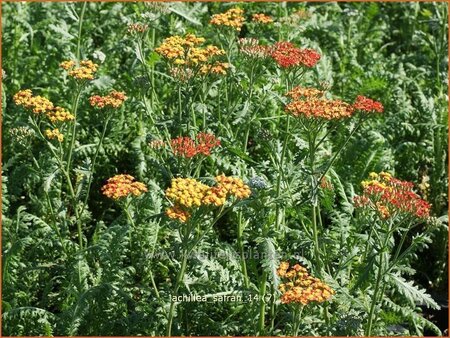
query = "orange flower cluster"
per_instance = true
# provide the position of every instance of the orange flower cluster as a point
(300, 287)
(178, 213)
(250, 47)
(368, 105)
(187, 147)
(187, 193)
(262, 18)
(320, 108)
(42, 105)
(390, 196)
(232, 18)
(85, 71)
(54, 134)
(120, 186)
(311, 103)
(286, 55)
(298, 93)
(113, 100)
(186, 52)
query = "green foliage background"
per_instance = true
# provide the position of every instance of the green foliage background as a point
(394, 52)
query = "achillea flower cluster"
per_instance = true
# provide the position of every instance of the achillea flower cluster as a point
(368, 105)
(262, 18)
(21, 134)
(54, 134)
(390, 196)
(178, 213)
(113, 100)
(218, 68)
(85, 71)
(299, 93)
(232, 18)
(251, 48)
(120, 186)
(286, 55)
(186, 52)
(188, 193)
(59, 114)
(319, 108)
(300, 287)
(42, 105)
(187, 147)
(37, 104)
(136, 28)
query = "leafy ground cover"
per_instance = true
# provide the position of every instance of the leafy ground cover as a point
(224, 168)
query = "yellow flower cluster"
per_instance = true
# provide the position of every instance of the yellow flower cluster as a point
(37, 104)
(54, 134)
(120, 186)
(262, 18)
(233, 186)
(85, 71)
(42, 105)
(232, 18)
(186, 51)
(59, 114)
(219, 68)
(189, 193)
(300, 287)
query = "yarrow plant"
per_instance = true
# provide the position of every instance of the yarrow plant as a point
(121, 186)
(391, 197)
(233, 18)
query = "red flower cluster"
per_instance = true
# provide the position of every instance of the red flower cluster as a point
(187, 147)
(287, 55)
(390, 196)
(368, 105)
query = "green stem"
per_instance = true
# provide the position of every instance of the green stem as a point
(180, 276)
(241, 249)
(80, 25)
(74, 128)
(94, 161)
(262, 304)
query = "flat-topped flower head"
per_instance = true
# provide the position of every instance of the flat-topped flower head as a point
(262, 18)
(188, 147)
(187, 54)
(320, 108)
(390, 197)
(123, 185)
(37, 104)
(137, 28)
(84, 71)
(187, 192)
(114, 99)
(299, 93)
(54, 134)
(286, 55)
(251, 48)
(232, 18)
(59, 114)
(365, 104)
(233, 186)
(299, 287)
